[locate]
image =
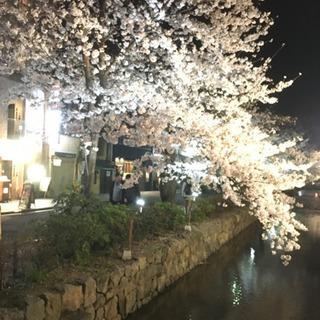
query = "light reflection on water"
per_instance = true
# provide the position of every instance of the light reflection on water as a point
(236, 290)
(245, 281)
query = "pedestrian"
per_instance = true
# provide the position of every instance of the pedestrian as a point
(130, 191)
(116, 190)
(187, 188)
(187, 193)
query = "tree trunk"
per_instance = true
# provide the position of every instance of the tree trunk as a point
(89, 173)
(168, 191)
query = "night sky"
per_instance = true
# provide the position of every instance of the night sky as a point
(297, 24)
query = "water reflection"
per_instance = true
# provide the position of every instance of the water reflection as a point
(245, 281)
(236, 290)
(312, 221)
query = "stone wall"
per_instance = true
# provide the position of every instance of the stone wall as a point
(132, 284)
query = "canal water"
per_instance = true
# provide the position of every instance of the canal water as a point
(244, 281)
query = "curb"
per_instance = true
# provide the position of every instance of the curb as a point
(27, 210)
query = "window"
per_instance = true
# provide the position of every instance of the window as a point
(15, 122)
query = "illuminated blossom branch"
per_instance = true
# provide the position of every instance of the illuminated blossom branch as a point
(165, 74)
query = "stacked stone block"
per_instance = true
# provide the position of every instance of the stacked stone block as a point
(118, 293)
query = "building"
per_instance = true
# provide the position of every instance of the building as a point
(119, 158)
(123, 158)
(31, 146)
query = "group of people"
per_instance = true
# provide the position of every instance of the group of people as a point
(120, 193)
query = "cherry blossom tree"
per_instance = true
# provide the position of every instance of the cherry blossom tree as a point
(172, 74)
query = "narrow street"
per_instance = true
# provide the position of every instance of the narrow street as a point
(15, 224)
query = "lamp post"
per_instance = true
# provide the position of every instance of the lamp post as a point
(127, 254)
(140, 203)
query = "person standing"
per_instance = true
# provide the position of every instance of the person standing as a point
(116, 190)
(187, 194)
(132, 193)
(187, 188)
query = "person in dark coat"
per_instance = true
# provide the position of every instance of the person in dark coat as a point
(187, 188)
(131, 194)
(116, 190)
(187, 193)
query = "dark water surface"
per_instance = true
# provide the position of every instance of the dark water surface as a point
(245, 281)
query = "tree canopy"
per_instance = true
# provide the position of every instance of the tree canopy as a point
(171, 74)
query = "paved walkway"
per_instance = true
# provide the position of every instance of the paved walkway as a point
(13, 206)
(40, 203)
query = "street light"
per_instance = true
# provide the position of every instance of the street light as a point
(140, 203)
(36, 172)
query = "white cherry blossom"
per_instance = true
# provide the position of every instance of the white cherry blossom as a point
(168, 74)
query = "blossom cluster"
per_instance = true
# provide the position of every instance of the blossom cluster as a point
(173, 75)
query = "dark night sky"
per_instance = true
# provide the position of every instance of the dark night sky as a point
(297, 24)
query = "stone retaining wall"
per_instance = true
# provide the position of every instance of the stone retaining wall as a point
(118, 293)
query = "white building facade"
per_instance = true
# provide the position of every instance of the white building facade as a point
(31, 146)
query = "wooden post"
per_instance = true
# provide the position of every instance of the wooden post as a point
(130, 232)
(188, 205)
(127, 254)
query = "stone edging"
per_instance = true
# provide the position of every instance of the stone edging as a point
(116, 294)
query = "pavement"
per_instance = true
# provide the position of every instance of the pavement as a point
(150, 197)
(13, 205)
(43, 203)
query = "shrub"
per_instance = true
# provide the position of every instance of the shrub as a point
(203, 208)
(79, 227)
(207, 207)
(83, 225)
(158, 219)
(70, 199)
(34, 275)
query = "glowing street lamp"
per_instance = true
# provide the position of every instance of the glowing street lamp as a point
(36, 172)
(140, 203)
